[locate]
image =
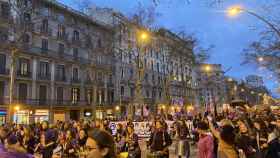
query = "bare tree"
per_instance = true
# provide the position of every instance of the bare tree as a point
(15, 33)
(144, 16)
(266, 51)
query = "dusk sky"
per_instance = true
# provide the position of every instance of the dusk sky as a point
(210, 25)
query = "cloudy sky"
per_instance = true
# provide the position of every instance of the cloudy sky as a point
(210, 25)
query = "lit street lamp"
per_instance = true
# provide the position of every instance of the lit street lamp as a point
(235, 10)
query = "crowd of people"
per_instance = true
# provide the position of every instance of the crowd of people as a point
(239, 135)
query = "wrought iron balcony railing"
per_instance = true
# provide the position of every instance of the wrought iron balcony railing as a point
(44, 76)
(25, 74)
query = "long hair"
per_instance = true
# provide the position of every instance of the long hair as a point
(104, 140)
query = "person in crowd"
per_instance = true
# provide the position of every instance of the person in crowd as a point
(105, 126)
(159, 140)
(131, 141)
(120, 138)
(182, 132)
(226, 139)
(82, 139)
(273, 145)
(69, 146)
(246, 143)
(45, 147)
(205, 144)
(100, 144)
(28, 142)
(14, 149)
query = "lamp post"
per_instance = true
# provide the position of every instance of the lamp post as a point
(235, 10)
(142, 39)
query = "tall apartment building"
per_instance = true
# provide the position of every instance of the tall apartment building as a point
(167, 62)
(62, 64)
(211, 87)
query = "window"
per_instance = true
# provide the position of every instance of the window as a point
(60, 72)
(75, 95)
(23, 66)
(154, 93)
(45, 44)
(2, 63)
(131, 72)
(75, 73)
(132, 92)
(76, 35)
(89, 94)
(99, 43)
(45, 25)
(122, 90)
(147, 94)
(26, 38)
(26, 17)
(61, 31)
(44, 69)
(45, 11)
(122, 73)
(75, 52)
(61, 48)
(59, 95)
(42, 94)
(5, 10)
(157, 67)
(22, 92)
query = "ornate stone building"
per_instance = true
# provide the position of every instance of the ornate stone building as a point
(62, 65)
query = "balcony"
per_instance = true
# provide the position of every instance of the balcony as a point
(75, 80)
(45, 77)
(62, 37)
(76, 41)
(45, 31)
(60, 78)
(4, 71)
(23, 74)
(70, 103)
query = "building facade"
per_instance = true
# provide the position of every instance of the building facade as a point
(62, 65)
(211, 86)
(166, 65)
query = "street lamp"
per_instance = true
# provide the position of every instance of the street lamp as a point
(260, 59)
(235, 10)
(208, 68)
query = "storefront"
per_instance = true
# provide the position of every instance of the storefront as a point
(21, 117)
(3, 116)
(59, 116)
(41, 115)
(99, 114)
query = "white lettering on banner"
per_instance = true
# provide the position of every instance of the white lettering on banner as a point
(142, 129)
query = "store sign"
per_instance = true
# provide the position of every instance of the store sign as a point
(142, 129)
(42, 112)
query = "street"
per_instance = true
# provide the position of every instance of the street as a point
(193, 150)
